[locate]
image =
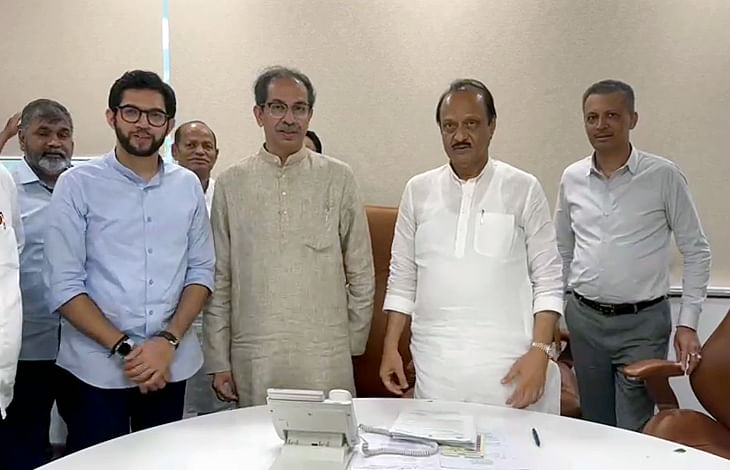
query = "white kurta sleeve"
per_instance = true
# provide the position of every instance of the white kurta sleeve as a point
(400, 295)
(544, 261)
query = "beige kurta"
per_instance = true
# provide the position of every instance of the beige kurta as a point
(294, 277)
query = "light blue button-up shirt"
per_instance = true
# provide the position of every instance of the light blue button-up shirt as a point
(132, 246)
(614, 233)
(40, 324)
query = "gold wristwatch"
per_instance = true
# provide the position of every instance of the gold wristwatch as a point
(546, 348)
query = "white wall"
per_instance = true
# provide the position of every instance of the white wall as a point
(380, 65)
(72, 51)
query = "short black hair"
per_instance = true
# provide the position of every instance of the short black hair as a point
(465, 84)
(606, 87)
(315, 140)
(261, 86)
(180, 128)
(45, 109)
(142, 80)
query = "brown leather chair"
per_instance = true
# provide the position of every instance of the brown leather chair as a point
(569, 398)
(381, 221)
(711, 384)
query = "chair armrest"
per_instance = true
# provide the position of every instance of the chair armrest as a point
(655, 373)
(652, 368)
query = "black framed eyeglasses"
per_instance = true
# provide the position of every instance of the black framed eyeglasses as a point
(133, 114)
(279, 109)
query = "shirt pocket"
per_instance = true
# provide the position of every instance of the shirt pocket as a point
(493, 233)
(322, 230)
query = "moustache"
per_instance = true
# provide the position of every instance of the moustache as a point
(55, 154)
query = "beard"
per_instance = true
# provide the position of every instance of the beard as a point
(126, 143)
(51, 163)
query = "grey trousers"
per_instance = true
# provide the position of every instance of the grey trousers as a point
(200, 398)
(601, 345)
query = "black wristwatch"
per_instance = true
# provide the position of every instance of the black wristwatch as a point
(122, 347)
(172, 339)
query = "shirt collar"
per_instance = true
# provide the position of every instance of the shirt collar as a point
(292, 159)
(488, 168)
(25, 173)
(111, 159)
(631, 164)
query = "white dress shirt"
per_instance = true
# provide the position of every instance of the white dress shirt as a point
(209, 194)
(11, 316)
(614, 233)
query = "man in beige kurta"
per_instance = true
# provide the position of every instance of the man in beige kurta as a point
(294, 274)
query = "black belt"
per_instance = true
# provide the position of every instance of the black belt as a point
(611, 310)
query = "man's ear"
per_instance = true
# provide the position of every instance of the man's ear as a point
(492, 127)
(170, 126)
(634, 120)
(258, 113)
(110, 119)
(21, 140)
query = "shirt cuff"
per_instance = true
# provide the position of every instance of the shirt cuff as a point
(398, 304)
(63, 295)
(551, 302)
(204, 279)
(689, 316)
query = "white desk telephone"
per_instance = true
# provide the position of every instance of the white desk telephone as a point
(318, 433)
(321, 433)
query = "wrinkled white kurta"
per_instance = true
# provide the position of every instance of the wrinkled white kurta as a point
(472, 261)
(11, 312)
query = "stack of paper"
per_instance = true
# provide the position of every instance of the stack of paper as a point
(491, 453)
(447, 428)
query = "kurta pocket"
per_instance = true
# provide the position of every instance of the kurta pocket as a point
(321, 235)
(493, 233)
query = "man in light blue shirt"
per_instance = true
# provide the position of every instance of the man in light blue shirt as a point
(131, 263)
(46, 139)
(616, 214)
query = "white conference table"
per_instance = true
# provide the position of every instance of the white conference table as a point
(245, 439)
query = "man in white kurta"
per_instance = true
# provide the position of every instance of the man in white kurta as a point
(294, 274)
(475, 263)
(11, 316)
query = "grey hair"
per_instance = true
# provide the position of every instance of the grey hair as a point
(45, 109)
(261, 86)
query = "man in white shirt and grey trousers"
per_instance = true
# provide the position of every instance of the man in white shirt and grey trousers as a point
(475, 263)
(617, 209)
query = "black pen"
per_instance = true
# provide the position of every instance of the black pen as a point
(535, 437)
